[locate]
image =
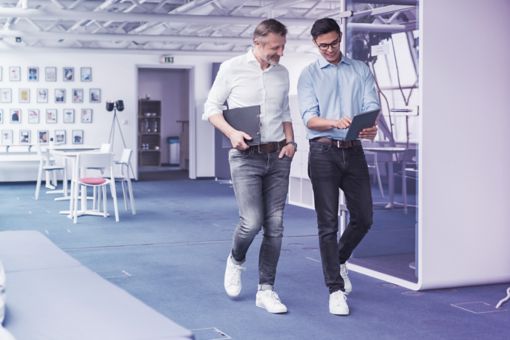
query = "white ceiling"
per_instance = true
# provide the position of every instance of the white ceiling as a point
(177, 26)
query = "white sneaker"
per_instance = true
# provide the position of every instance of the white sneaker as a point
(5, 335)
(345, 276)
(232, 281)
(270, 301)
(338, 303)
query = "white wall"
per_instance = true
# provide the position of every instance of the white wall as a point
(115, 74)
(464, 191)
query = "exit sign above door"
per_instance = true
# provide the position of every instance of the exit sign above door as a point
(166, 59)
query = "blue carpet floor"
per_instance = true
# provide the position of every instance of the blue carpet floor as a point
(172, 254)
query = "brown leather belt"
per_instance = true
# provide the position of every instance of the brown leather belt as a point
(340, 144)
(266, 147)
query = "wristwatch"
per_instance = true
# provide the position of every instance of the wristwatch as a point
(293, 144)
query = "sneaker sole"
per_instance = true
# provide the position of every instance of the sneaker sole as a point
(267, 310)
(340, 314)
(233, 296)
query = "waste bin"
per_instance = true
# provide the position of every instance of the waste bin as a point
(174, 151)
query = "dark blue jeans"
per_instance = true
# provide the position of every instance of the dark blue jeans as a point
(261, 183)
(330, 169)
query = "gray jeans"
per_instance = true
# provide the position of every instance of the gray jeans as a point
(261, 183)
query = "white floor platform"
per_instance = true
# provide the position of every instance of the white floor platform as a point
(50, 295)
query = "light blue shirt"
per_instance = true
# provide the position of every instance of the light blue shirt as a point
(335, 91)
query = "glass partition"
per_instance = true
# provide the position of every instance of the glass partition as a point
(384, 34)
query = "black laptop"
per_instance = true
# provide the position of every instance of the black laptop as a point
(246, 119)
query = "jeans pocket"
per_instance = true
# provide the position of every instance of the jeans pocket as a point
(236, 154)
(316, 147)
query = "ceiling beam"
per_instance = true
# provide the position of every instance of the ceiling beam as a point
(205, 52)
(383, 28)
(60, 14)
(388, 2)
(134, 37)
(382, 10)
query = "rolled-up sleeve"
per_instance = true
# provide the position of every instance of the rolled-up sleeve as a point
(218, 94)
(308, 102)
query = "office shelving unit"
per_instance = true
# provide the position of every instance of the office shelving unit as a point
(149, 132)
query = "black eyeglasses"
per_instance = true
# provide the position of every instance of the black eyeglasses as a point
(333, 45)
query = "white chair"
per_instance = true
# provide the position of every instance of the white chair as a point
(342, 211)
(85, 162)
(373, 163)
(125, 179)
(105, 147)
(409, 170)
(49, 166)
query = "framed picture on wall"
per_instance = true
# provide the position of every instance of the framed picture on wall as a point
(60, 95)
(77, 136)
(24, 96)
(86, 73)
(25, 136)
(68, 73)
(50, 73)
(51, 116)
(15, 115)
(5, 95)
(33, 73)
(14, 73)
(6, 137)
(33, 116)
(86, 116)
(42, 95)
(68, 116)
(60, 137)
(77, 95)
(43, 136)
(95, 95)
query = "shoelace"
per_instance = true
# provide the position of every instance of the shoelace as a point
(340, 297)
(275, 297)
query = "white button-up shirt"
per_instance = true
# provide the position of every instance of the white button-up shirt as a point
(241, 82)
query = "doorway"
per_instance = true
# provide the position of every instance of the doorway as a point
(164, 105)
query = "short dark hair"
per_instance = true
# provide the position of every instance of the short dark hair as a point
(269, 26)
(323, 26)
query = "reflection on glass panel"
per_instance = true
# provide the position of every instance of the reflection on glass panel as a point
(384, 34)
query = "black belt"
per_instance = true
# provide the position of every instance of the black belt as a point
(340, 144)
(266, 147)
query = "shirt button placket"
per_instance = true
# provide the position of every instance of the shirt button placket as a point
(263, 106)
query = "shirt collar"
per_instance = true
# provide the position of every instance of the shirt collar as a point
(324, 63)
(250, 57)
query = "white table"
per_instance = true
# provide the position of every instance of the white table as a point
(70, 153)
(392, 151)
